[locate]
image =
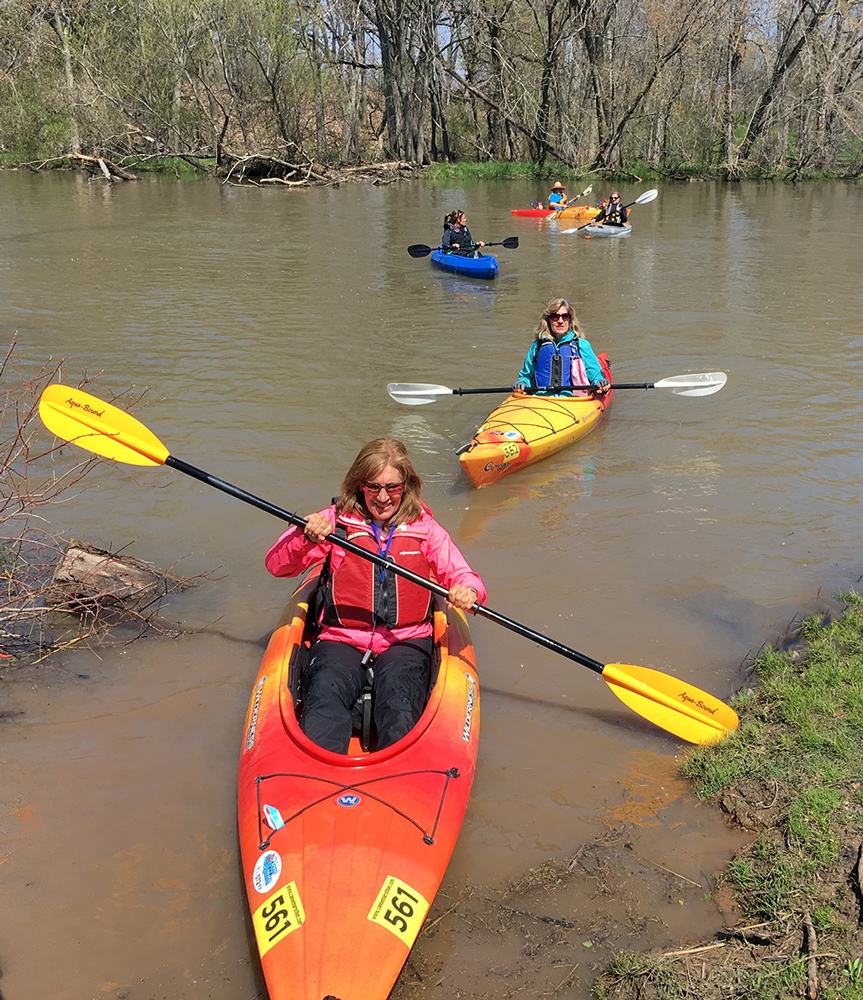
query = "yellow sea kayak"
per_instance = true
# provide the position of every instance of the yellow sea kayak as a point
(525, 429)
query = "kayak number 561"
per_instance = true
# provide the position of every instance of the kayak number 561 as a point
(277, 917)
(400, 909)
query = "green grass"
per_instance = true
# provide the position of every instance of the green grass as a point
(800, 746)
(169, 166)
(464, 170)
(803, 724)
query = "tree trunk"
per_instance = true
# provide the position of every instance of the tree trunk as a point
(60, 29)
(786, 57)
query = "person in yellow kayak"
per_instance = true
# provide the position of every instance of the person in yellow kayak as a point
(370, 617)
(560, 356)
(557, 196)
(456, 235)
(612, 212)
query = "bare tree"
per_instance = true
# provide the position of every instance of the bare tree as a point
(794, 27)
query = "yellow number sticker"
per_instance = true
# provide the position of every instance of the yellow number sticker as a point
(400, 909)
(281, 914)
(510, 449)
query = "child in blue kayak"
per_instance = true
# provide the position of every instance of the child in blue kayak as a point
(560, 357)
(456, 235)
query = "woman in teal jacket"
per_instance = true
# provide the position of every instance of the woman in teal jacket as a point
(560, 356)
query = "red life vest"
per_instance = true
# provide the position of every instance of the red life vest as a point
(356, 596)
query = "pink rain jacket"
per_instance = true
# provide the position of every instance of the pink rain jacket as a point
(293, 553)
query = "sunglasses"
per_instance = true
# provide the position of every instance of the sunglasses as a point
(556, 316)
(391, 488)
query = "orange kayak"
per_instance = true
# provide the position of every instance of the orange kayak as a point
(578, 212)
(525, 429)
(343, 854)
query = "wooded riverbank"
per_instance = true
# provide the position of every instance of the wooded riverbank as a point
(723, 88)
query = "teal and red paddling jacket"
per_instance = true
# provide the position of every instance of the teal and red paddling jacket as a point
(536, 370)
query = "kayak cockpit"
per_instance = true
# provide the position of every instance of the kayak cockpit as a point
(298, 642)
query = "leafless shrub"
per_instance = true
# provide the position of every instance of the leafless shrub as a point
(31, 480)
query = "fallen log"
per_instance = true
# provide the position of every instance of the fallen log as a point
(87, 580)
(109, 170)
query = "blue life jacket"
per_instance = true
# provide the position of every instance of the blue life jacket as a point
(554, 363)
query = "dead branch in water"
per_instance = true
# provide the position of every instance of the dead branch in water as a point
(254, 169)
(43, 607)
(94, 165)
(260, 169)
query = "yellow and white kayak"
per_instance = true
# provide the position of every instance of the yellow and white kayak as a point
(527, 428)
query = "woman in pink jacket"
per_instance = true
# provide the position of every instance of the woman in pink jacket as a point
(371, 617)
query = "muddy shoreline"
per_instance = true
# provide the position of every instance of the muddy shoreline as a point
(559, 927)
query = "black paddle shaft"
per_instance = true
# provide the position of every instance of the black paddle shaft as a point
(421, 250)
(435, 588)
(556, 388)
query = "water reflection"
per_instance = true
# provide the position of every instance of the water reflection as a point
(548, 485)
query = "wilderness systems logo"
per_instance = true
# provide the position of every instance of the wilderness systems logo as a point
(75, 405)
(471, 704)
(698, 703)
(253, 722)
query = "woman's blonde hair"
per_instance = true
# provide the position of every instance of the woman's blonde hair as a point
(543, 331)
(373, 458)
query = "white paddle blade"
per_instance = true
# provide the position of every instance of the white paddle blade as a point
(416, 393)
(646, 197)
(701, 384)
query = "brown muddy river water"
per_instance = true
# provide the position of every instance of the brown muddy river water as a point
(681, 535)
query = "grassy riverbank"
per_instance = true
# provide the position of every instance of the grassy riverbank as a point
(792, 774)
(635, 172)
(542, 174)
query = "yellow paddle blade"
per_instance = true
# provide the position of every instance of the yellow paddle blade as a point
(672, 704)
(82, 419)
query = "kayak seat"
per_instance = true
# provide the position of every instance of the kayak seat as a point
(363, 722)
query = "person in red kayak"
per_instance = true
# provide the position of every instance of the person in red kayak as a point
(557, 196)
(372, 618)
(456, 235)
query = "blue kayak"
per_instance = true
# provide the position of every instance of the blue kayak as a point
(474, 267)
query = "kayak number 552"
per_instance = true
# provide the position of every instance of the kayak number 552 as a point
(400, 909)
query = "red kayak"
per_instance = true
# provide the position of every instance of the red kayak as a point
(570, 212)
(343, 854)
(533, 213)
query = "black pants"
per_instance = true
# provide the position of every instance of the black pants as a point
(333, 680)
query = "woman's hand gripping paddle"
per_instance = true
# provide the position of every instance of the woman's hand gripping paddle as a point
(673, 705)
